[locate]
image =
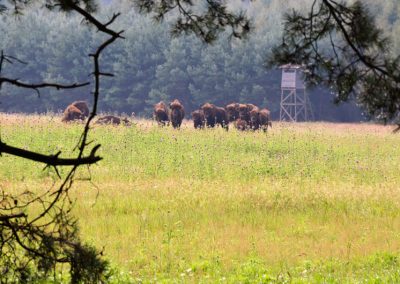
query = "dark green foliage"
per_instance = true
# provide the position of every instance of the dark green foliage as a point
(342, 47)
(207, 24)
(86, 266)
(149, 66)
(47, 252)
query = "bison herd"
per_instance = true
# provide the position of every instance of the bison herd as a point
(79, 110)
(243, 116)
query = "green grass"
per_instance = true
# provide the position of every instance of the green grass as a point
(304, 203)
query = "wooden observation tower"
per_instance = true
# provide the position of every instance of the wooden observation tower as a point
(295, 104)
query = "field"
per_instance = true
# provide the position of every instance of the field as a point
(311, 202)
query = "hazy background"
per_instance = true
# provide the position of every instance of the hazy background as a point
(150, 66)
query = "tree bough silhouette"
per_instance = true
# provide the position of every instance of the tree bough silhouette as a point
(340, 45)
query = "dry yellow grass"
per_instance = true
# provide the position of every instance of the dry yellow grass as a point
(171, 200)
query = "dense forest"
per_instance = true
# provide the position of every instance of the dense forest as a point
(150, 65)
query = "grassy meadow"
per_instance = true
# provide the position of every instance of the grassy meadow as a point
(309, 202)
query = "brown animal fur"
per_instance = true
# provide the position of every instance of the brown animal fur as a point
(221, 118)
(177, 113)
(265, 119)
(210, 113)
(244, 111)
(82, 106)
(72, 113)
(255, 119)
(232, 111)
(215, 115)
(198, 119)
(250, 107)
(241, 124)
(160, 113)
(111, 119)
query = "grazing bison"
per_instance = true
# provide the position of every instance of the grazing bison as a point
(210, 113)
(244, 111)
(198, 119)
(260, 119)
(232, 111)
(72, 113)
(255, 119)
(265, 119)
(221, 118)
(215, 115)
(177, 113)
(241, 124)
(111, 119)
(82, 106)
(161, 113)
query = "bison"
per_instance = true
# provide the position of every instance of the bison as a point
(260, 119)
(72, 113)
(177, 113)
(111, 119)
(210, 113)
(198, 119)
(265, 119)
(82, 106)
(161, 113)
(232, 111)
(254, 119)
(222, 118)
(244, 111)
(241, 124)
(215, 115)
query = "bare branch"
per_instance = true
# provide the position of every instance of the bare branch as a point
(51, 160)
(17, 83)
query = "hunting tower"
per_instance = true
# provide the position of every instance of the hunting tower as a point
(295, 104)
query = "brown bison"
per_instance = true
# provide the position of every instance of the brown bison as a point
(215, 115)
(111, 119)
(255, 121)
(82, 106)
(244, 111)
(241, 124)
(265, 119)
(232, 111)
(260, 119)
(72, 113)
(198, 119)
(161, 113)
(222, 118)
(177, 113)
(210, 113)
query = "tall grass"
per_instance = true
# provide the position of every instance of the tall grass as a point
(315, 202)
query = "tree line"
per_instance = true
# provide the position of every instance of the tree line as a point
(150, 66)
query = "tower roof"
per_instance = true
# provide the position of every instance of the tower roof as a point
(291, 66)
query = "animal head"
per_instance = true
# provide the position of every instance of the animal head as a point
(241, 124)
(160, 105)
(243, 109)
(209, 110)
(176, 104)
(198, 115)
(232, 111)
(254, 115)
